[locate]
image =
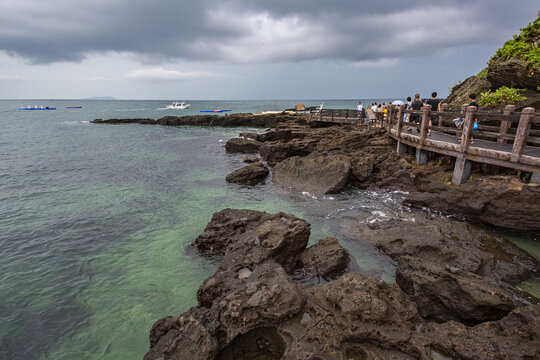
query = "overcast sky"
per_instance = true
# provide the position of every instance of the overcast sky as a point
(248, 49)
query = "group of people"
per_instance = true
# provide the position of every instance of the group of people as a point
(417, 105)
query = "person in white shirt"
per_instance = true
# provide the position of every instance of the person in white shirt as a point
(359, 109)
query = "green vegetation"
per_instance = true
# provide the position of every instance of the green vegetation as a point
(503, 95)
(523, 47)
(482, 74)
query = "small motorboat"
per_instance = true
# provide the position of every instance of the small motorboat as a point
(178, 105)
(36, 108)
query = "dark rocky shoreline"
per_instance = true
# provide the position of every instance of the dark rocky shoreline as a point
(252, 307)
(263, 121)
(455, 294)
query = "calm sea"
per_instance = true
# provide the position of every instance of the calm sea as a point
(94, 221)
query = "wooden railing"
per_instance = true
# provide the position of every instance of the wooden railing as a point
(336, 115)
(507, 139)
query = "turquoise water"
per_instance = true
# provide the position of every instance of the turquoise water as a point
(95, 219)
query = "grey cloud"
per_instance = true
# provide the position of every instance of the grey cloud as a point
(243, 31)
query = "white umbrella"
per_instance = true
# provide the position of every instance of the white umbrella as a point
(398, 102)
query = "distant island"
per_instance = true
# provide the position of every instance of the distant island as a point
(100, 98)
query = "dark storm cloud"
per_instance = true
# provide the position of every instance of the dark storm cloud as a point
(244, 31)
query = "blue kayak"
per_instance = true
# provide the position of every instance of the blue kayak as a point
(216, 111)
(37, 108)
(73, 107)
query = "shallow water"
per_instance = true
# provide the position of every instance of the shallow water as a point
(94, 221)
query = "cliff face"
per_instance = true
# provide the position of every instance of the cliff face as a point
(515, 65)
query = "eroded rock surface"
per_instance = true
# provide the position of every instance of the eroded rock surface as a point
(252, 308)
(497, 200)
(315, 173)
(264, 121)
(452, 270)
(251, 174)
(241, 145)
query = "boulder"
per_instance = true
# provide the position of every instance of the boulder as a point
(282, 236)
(453, 270)
(241, 145)
(225, 227)
(316, 174)
(327, 258)
(252, 174)
(513, 73)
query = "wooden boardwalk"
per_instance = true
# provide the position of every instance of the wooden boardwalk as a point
(502, 139)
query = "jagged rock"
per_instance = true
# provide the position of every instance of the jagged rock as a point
(513, 73)
(276, 151)
(225, 227)
(460, 93)
(490, 340)
(452, 270)
(315, 173)
(241, 145)
(251, 308)
(283, 236)
(497, 200)
(249, 175)
(443, 295)
(327, 258)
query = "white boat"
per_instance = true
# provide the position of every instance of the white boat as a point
(178, 105)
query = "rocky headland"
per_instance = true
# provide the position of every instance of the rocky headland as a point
(515, 65)
(322, 160)
(453, 299)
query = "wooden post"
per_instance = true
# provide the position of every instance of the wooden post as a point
(522, 133)
(462, 171)
(332, 115)
(389, 116)
(467, 128)
(463, 111)
(442, 118)
(425, 122)
(400, 120)
(506, 124)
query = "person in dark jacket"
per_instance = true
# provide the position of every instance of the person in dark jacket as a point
(416, 105)
(435, 106)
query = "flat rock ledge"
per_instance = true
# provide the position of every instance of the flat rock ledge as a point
(252, 307)
(269, 120)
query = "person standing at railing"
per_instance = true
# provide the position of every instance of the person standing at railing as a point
(416, 105)
(461, 120)
(435, 106)
(407, 107)
(359, 109)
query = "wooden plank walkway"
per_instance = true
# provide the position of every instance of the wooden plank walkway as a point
(503, 145)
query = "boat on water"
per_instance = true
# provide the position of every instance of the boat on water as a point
(73, 107)
(178, 105)
(36, 108)
(216, 111)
